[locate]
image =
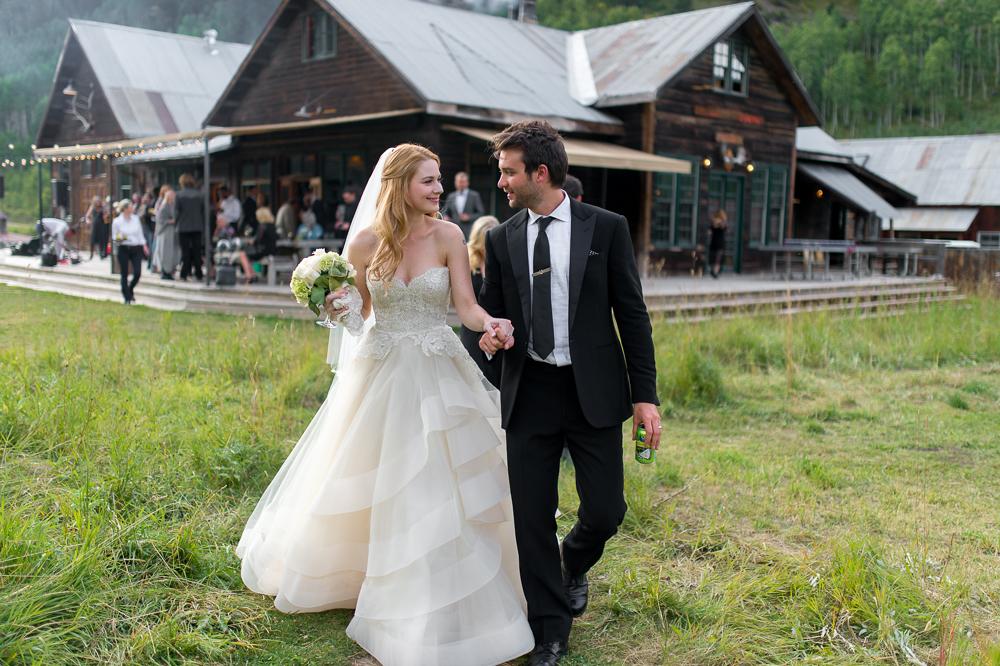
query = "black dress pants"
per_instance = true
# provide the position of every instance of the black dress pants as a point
(190, 242)
(546, 416)
(130, 256)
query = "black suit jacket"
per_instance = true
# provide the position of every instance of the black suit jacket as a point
(190, 210)
(473, 206)
(611, 372)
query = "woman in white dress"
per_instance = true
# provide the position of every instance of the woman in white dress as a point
(395, 501)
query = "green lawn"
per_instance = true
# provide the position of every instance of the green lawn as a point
(827, 492)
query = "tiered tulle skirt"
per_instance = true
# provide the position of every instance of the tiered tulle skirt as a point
(395, 502)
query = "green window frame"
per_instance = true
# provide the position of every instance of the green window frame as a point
(731, 67)
(319, 36)
(768, 204)
(675, 206)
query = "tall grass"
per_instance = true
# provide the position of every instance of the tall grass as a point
(839, 520)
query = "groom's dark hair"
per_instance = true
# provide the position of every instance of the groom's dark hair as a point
(539, 144)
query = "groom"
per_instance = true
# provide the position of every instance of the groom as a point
(564, 273)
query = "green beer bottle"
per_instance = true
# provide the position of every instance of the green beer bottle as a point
(643, 454)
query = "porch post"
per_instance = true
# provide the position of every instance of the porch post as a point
(644, 228)
(207, 194)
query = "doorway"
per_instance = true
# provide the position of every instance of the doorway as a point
(725, 192)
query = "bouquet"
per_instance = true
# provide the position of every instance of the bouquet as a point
(318, 275)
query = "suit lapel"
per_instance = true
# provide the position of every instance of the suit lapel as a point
(581, 235)
(517, 246)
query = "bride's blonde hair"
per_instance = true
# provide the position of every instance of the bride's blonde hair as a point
(391, 224)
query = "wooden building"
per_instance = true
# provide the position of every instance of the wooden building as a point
(836, 198)
(666, 119)
(117, 84)
(708, 90)
(956, 180)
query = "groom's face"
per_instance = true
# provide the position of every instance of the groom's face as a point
(523, 189)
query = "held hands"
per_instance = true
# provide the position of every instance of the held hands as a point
(498, 334)
(647, 414)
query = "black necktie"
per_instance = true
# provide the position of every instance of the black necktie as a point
(542, 335)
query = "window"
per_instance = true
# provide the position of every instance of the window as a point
(319, 36)
(729, 67)
(989, 239)
(768, 204)
(675, 207)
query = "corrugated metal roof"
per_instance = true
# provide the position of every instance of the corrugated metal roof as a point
(847, 185)
(815, 140)
(952, 220)
(941, 171)
(157, 82)
(454, 56)
(631, 61)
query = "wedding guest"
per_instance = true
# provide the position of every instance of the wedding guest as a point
(265, 244)
(166, 252)
(477, 261)
(463, 206)
(573, 187)
(309, 229)
(717, 242)
(3, 225)
(230, 208)
(345, 213)
(250, 205)
(98, 227)
(147, 214)
(190, 206)
(286, 220)
(127, 232)
(57, 229)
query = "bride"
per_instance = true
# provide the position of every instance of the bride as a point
(395, 501)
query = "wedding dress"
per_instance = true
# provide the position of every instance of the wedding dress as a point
(395, 501)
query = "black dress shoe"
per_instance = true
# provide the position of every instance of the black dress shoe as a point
(547, 654)
(577, 589)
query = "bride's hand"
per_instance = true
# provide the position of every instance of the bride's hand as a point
(500, 329)
(330, 298)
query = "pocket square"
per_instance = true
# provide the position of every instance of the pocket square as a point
(593, 253)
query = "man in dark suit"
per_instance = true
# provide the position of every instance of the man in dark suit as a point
(190, 226)
(463, 206)
(564, 273)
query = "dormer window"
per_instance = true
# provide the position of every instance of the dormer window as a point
(729, 67)
(319, 36)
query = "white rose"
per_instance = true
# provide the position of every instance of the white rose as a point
(308, 269)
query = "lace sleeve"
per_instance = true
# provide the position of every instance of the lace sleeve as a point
(352, 319)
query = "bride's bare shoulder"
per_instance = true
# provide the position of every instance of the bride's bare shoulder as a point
(366, 238)
(447, 232)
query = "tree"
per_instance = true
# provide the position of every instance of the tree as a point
(937, 78)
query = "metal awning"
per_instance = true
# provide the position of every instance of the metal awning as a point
(948, 220)
(586, 153)
(848, 186)
(187, 151)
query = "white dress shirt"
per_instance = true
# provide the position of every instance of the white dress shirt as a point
(461, 196)
(558, 233)
(128, 231)
(231, 209)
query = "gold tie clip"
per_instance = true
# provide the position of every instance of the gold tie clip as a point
(541, 272)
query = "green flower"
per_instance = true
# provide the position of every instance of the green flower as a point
(300, 289)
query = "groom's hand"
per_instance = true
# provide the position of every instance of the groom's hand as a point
(647, 414)
(496, 337)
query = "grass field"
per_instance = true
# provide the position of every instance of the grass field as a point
(827, 492)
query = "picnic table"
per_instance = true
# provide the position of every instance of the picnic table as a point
(303, 248)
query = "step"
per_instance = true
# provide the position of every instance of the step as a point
(873, 310)
(779, 299)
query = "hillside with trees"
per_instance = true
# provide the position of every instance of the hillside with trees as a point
(873, 67)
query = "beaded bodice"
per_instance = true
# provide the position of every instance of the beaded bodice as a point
(414, 312)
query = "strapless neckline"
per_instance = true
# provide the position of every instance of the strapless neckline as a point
(399, 280)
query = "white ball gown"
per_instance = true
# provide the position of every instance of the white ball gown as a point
(395, 501)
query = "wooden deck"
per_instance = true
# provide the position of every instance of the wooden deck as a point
(674, 298)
